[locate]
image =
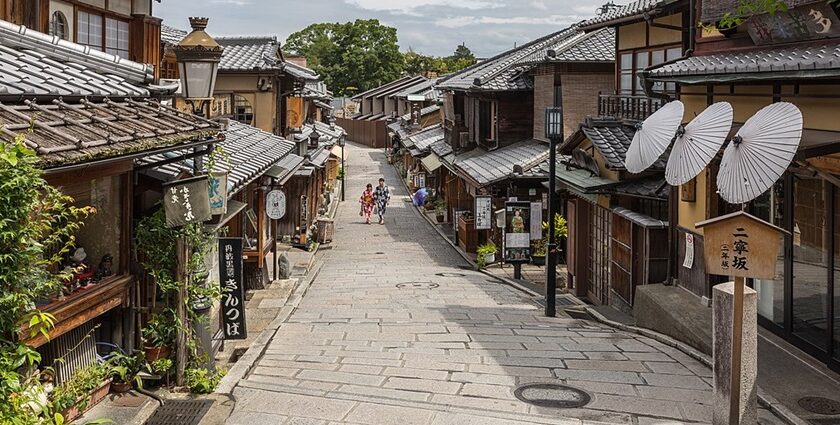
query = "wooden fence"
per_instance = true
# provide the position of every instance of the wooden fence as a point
(369, 133)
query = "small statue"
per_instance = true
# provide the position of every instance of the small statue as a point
(283, 266)
(85, 271)
(105, 267)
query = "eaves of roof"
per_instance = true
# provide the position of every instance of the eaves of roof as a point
(375, 90)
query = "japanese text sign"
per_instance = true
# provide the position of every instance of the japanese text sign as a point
(187, 201)
(217, 187)
(483, 212)
(808, 22)
(233, 291)
(275, 204)
(740, 245)
(518, 232)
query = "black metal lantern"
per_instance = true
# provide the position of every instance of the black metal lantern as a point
(198, 56)
(554, 123)
(314, 139)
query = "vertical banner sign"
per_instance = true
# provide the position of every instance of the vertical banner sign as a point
(294, 112)
(689, 251)
(233, 291)
(536, 220)
(187, 201)
(518, 232)
(483, 212)
(217, 190)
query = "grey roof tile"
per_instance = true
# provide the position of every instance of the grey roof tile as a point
(766, 63)
(486, 168)
(299, 71)
(250, 152)
(423, 140)
(629, 10)
(34, 64)
(171, 36)
(248, 53)
(95, 130)
(509, 70)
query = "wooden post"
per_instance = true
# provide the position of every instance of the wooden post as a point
(182, 252)
(737, 333)
(274, 245)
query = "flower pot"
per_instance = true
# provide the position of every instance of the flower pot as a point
(439, 218)
(155, 353)
(96, 396)
(538, 260)
(120, 387)
(489, 258)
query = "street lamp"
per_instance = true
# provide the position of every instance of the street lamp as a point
(198, 57)
(314, 139)
(554, 132)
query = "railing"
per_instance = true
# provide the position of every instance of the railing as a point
(628, 107)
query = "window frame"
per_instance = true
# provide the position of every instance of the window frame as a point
(55, 17)
(648, 51)
(104, 18)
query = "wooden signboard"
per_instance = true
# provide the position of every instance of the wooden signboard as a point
(741, 245)
(233, 288)
(294, 112)
(187, 201)
(483, 212)
(809, 22)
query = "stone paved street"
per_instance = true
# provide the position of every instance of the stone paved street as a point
(394, 330)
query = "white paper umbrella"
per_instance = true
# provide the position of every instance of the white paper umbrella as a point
(760, 153)
(653, 137)
(698, 142)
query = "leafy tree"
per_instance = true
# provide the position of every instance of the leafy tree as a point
(419, 64)
(37, 223)
(362, 54)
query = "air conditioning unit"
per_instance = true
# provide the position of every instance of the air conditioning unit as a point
(464, 139)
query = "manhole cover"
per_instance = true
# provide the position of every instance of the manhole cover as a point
(417, 285)
(181, 412)
(820, 405)
(552, 395)
(450, 274)
(128, 400)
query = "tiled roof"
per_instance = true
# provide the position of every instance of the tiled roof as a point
(250, 152)
(650, 187)
(398, 129)
(595, 46)
(316, 89)
(34, 64)
(441, 148)
(423, 112)
(299, 71)
(486, 168)
(509, 70)
(625, 12)
(248, 53)
(425, 138)
(424, 88)
(72, 134)
(771, 63)
(171, 35)
(612, 141)
(401, 82)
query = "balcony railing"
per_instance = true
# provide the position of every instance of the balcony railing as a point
(628, 107)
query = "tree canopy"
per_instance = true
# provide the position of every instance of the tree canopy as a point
(352, 56)
(417, 63)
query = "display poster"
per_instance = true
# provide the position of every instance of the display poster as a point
(483, 212)
(518, 232)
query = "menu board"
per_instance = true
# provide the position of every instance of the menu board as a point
(483, 212)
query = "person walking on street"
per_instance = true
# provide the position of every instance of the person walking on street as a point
(367, 201)
(382, 195)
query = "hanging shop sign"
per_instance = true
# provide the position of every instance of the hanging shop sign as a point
(809, 22)
(275, 204)
(217, 191)
(518, 232)
(483, 212)
(187, 201)
(420, 180)
(741, 245)
(294, 112)
(233, 288)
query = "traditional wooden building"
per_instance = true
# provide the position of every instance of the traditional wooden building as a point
(95, 116)
(790, 56)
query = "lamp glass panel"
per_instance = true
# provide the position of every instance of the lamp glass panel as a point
(198, 79)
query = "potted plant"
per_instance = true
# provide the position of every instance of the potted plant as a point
(561, 231)
(158, 335)
(538, 250)
(125, 370)
(486, 254)
(85, 389)
(163, 368)
(440, 210)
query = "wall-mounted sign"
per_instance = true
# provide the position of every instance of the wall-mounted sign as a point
(233, 290)
(688, 262)
(741, 245)
(294, 112)
(275, 204)
(187, 201)
(518, 232)
(483, 212)
(217, 191)
(536, 220)
(420, 180)
(304, 213)
(809, 22)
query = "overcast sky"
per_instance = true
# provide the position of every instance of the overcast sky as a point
(428, 26)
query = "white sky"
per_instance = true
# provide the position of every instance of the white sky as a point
(429, 26)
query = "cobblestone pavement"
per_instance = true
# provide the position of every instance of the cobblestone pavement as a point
(395, 331)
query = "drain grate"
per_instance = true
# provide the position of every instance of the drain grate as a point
(181, 412)
(417, 285)
(552, 395)
(450, 274)
(820, 405)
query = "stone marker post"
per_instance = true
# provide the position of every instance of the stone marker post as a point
(740, 246)
(744, 409)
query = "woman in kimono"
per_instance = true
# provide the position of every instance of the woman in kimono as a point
(367, 203)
